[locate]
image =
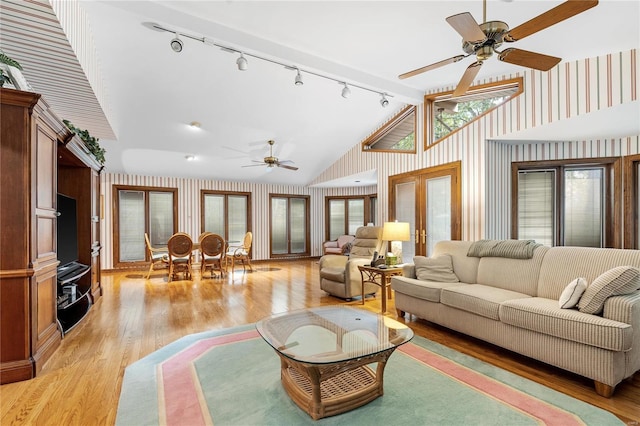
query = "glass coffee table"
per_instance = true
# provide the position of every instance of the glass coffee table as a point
(326, 355)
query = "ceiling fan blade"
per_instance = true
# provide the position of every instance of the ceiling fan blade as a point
(467, 79)
(467, 27)
(551, 17)
(284, 166)
(285, 162)
(253, 165)
(431, 67)
(528, 59)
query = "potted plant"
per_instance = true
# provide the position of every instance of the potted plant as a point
(5, 73)
(91, 142)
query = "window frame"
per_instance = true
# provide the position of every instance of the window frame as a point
(612, 198)
(116, 219)
(431, 99)
(226, 194)
(368, 144)
(367, 211)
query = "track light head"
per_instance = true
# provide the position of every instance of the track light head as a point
(299, 81)
(242, 63)
(176, 44)
(346, 92)
(384, 101)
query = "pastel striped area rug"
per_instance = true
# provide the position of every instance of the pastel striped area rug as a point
(232, 377)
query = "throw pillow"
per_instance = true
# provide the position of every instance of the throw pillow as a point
(572, 292)
(346, 249)
(614, 282)
(439, 269)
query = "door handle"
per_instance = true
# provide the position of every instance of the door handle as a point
(424, 236)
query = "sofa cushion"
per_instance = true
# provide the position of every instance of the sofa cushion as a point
(572, 293)
(519, 275)
(545, 316)
(478, 299)
(426, 290)
(465, 267)
(439, 269)
(563, 264)
(614, 282)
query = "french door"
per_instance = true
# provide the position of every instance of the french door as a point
(289, 225)
(429, 200)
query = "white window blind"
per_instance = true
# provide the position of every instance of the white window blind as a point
(536, 197)
(583, 209)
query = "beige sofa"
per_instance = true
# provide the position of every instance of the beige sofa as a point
(514, 303)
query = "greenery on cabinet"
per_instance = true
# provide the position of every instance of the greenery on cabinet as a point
(4, 59)
(91, 142)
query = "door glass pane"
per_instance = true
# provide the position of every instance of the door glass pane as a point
(214, 214)
(336, 218)
(356, 215)
(238, 216)
(131, 226)
(298, 225)
(373, 210)
(438, 198)
(583, 215)
(406, 212)
(279, 226)
(536, 197)
(637, 204)
(160, 217)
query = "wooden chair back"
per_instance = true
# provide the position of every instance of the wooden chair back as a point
(180, 245)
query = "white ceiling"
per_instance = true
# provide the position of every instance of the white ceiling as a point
(154, 93)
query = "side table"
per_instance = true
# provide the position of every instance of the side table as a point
(380, 277)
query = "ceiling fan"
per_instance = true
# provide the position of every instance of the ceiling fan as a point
(482, 40)
(271, 161)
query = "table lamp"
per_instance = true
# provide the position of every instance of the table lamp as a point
(396, 232)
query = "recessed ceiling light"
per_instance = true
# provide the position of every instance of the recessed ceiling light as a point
(189, 157)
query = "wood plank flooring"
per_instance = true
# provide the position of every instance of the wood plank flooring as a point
(80, 384)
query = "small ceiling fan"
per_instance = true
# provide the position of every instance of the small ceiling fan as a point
(482, 40)
(271, 161)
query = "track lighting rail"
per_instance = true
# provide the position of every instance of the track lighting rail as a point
(243, 63)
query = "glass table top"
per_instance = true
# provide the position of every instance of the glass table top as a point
(331, 334)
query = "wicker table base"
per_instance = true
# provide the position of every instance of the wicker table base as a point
(324, 390)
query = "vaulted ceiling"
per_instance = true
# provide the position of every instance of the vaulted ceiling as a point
(139, 96)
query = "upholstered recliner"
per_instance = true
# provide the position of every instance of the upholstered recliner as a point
(339, 275)
(342, 245)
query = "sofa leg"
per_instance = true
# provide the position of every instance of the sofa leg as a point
(400, 313)
(604, 390)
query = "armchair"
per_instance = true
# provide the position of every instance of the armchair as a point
(339, 246)
(339, 275)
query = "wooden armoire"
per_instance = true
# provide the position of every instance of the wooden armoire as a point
(35, 146)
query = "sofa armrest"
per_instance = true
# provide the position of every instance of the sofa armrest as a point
(333, 261)
(333, 243)
(625, 308)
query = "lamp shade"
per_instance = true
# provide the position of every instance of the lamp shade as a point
(396, 231)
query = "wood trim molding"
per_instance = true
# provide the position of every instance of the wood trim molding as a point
(387, 127)
(631, 190)
(430, 99)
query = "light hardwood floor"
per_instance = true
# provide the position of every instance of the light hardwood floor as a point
(80, 384)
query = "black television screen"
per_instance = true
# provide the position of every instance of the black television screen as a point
(67, 230)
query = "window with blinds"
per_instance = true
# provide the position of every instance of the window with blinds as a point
(565, 204)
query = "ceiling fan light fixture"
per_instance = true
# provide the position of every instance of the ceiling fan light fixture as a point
(299, 81)
(176, 44)
(384, 101)
(346, 92)
(242, 62)
(190, 157)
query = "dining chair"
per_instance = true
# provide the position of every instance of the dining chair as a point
(241, 253)
(180, 248)
(158, 256)
(212, 249)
